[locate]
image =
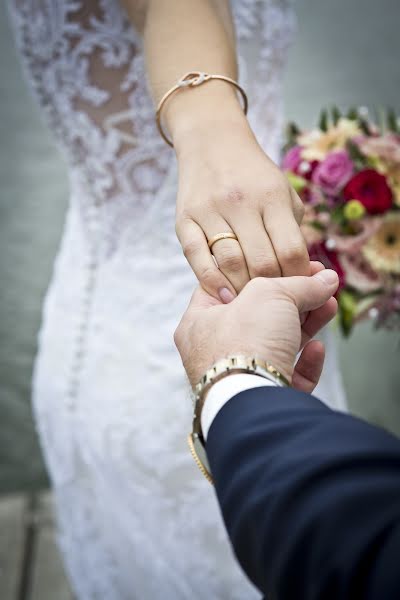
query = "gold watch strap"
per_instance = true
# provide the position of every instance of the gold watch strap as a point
(221, 369)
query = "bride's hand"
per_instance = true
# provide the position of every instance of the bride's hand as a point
(228, 184)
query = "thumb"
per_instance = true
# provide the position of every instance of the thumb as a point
(202, 299)
(310, 293)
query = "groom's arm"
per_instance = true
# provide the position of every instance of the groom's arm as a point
(310, 497)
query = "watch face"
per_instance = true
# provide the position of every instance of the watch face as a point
(201, 453)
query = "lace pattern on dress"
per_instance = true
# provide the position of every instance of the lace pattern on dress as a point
(86, 68)
(85, 65)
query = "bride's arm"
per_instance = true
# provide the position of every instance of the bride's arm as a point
(182, 36)
(226, 182)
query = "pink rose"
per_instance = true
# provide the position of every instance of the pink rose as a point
(294, 162)
(332, 174)
(292, 159)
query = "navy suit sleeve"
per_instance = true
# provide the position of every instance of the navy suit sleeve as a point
(310, 497)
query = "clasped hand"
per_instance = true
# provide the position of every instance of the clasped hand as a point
(271, 319)
(228, 184)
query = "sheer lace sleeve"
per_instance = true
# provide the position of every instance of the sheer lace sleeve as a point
(85, 64)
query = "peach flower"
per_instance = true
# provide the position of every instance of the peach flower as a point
(385, 147)
(352, 244)
(382, 251)
(318, 144)
(359, 274)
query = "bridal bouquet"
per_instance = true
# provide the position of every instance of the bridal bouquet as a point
(347, 172)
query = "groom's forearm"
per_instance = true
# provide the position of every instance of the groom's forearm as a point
(309, 496)
(183, 36)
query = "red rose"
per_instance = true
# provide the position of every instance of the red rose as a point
(312, 166)
(330, 259)
(371, 189)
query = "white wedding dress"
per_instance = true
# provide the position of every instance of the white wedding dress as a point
(136, 518)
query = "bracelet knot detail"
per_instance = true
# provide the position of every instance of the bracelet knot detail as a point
(191, 80)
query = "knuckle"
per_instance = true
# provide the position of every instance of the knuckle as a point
(293, 253)
(178, 228)
(259, 286)
(178, 335)
(231, 260)
(209, 277)
(265, 289)
(260, 270)
(298, 209)
(264, 266)
(277, 193)
(190, 248)
(180, 224)
(278, 185)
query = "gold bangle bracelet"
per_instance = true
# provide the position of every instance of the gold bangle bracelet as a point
(194, 79)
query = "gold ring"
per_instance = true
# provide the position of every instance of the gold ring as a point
(228, 235)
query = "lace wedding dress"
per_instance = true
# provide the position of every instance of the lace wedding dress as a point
(136, 518)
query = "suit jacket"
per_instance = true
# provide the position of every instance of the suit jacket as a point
(310, 497)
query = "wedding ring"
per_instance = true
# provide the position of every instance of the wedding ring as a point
(228, 235)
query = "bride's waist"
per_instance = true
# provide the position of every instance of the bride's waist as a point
(114, 218)
(99, 237)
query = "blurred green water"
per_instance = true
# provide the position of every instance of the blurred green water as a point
(346, 53)
(33, 195)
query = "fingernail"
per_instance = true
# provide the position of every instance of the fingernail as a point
(328, 276)
(226, 295)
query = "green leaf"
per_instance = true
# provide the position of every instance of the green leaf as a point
(323, 120)
(337, 216)
(317, 225)
(336, 115)
(347, 309)
(292, 133)
(355, 153)
(392, 121)
(364, 126)
(352, 113)
(298, 183)
(293, 128)
(382, 120)
(373, 162)
(322, 208)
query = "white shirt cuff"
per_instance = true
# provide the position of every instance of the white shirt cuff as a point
(225, 389)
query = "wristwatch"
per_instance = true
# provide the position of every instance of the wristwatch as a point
(221, 369)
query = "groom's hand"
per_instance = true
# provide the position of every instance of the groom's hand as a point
(271, 319)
